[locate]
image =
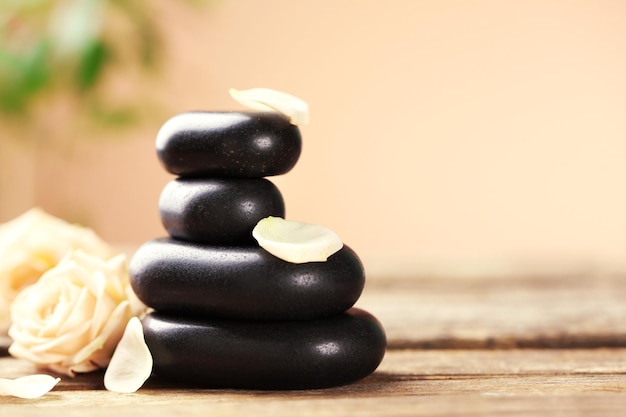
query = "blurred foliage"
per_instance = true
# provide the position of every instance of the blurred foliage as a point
(68, 47)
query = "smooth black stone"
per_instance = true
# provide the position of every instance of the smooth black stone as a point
(311, 354)
(228, 144)
(220, 211)
(242, 282)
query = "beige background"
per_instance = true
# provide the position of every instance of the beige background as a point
(453, 134)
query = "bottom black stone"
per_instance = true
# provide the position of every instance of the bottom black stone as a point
(265, 355)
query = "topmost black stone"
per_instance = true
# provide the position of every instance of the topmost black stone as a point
(228, 144)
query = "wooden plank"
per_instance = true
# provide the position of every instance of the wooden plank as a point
(421, 314)
(573, 311)
(586, 382)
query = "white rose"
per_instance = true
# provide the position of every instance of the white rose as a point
(33, 243)
(71, 320)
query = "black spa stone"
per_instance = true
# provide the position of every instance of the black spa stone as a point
(228, 144)
(216, 353)
(242, 282)
(218, 210)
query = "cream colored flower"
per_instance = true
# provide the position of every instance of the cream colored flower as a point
(71, 320)
(33, 243)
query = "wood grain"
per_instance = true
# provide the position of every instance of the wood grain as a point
(408, 382)
(583, 311)
(551, 345)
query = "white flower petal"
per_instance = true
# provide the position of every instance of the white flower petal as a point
(31, 386)
(265, 99)
(42, 359)
(296, 242)
(131, 364)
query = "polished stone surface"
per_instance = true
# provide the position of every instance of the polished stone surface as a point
(228, 144)
(217, 353)
(221, 211)
(243, 282)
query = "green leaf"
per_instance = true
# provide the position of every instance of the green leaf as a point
(36, 70)
(111, 115)
(119, 117)
(92, 61)
(149, 44)
(22, 76)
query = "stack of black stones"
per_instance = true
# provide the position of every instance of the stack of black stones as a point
(227, 313)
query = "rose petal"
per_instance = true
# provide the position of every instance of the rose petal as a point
(296, 242)
(266, 99)
(131, 364)
(83, 305)
(100, 349)
(38, 358)
(31, 386)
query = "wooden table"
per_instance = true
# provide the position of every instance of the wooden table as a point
(465, 345)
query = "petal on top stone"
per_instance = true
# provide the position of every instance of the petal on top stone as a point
(265, 99)
(296, 242)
